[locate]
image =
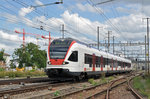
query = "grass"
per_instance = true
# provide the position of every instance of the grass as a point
(110, 78)
(92, 81)
(101, 81)
(1, 69)
(13, 74)
(57, 93)
(142, 84)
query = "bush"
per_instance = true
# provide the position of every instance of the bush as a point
(12, 74)
(2, 74)
(2, 69)
(142, 85)
(91, 81)
(33, 70)
(103, 76)
(19, 74)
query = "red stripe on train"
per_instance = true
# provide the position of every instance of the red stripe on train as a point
(93, 61)
(101, 63)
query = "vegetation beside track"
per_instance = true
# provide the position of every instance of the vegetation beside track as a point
(142, 84)
(101, 81)
(13, 74)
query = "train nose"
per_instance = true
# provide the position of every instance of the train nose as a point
(57, 61)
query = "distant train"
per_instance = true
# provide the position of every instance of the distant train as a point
(71, 58)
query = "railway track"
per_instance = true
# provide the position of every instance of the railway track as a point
(105, 94)
(135, 93)
(129, 85)
(72, 91)
(25, 80)
(29, 88)
(99, 91)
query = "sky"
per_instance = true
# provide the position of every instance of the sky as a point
(80, 18)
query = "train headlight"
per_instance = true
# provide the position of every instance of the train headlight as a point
(65, 63)
(49, 63)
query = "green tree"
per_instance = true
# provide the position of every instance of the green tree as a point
(12, 65)
(1, 55)
(31, 55)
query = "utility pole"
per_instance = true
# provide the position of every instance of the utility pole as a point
(108, 39)
(98, 37)
(113, 44)
(145, 56)
(147, 19)
(63, 31)
(105, 45)
(124, 51)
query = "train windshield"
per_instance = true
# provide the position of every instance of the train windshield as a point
(59, 48)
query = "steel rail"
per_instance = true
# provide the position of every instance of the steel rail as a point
(29, 88)
(25, 80)
(135, 93)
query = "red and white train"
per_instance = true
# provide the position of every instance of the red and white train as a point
(71, 58)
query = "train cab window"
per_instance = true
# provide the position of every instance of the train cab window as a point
(74, 56)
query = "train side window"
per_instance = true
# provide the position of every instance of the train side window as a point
(90, 65)
(97, 61)
(88, 59)
(74, 56)
(104, 62)
(110, 62)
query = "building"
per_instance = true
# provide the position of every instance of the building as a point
(7, 61)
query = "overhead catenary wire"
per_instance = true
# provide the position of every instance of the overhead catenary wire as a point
(23, 4)
(26, 5)
(108, 20)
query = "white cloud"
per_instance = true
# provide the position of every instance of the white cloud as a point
(125, 10)
(131, 26)
(38, 2)
(74, 24)
(10, 41)
(24, 11)
(11, 37)
(87, 7)
(10, 18)
(143, 2)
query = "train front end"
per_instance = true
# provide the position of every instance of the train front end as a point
(60, 55)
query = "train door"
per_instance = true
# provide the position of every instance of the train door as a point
(93, 62)
(102, 62)
(116, 64)
(81, 59)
